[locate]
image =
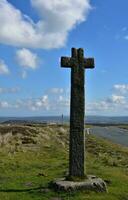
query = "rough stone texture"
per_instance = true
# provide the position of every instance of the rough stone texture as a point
(77, 147)
(89, 63)
(91, 183)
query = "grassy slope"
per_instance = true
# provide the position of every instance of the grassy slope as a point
(24, 171)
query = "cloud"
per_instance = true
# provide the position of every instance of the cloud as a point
(56, 19)
(116, 99)
(34, 104)
(122, 88)
(47, 103)
(55, 91)
(27, 59)
(99, 106)
(56, 102)
(9, 90)
(3, 68)
(116, 103)
(110, 105)
(42, 102)
(24, 74)
(63, 101)
(4, 104)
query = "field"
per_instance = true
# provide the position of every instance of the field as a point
(32, 156)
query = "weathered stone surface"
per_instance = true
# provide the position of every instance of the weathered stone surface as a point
(91, 183)
(77, 147)
(89, 63)
(76, 159)
(70, 62)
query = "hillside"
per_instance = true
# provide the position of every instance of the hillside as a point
(32, 156)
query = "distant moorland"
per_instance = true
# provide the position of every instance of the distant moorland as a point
(59, 119)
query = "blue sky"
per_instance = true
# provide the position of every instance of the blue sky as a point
(36, 33)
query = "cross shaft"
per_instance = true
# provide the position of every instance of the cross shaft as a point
(77, 63)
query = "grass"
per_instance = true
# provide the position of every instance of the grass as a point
(124, 126)
(26, 172)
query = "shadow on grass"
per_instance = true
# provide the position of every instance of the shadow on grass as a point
(23, 190)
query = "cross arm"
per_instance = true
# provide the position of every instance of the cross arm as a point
(89, 63)
(69, 62)
(66, 62)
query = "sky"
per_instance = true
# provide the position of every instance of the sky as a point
(34, 34)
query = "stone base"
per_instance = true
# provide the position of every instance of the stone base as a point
(92, 183)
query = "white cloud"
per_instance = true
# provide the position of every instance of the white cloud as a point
(99, 106)
(118, 99)
(122, 88)
(33, 104)
(27, 59)
(63, 102)
(116, 103)
(110, 105)
(3, 68)
(57, 100)
(52, 102)
(57, 19)
(4, 104)
(42, 102)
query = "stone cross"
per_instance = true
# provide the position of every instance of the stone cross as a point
(77, 63)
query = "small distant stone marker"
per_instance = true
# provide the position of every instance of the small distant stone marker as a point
(78, 64)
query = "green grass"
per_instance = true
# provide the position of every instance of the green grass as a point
(25, 174)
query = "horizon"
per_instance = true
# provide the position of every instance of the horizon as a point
(37, 116)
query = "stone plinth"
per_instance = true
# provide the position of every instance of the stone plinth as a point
(92, 183)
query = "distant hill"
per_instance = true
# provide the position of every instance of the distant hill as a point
(58, 119)
(107, 120)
